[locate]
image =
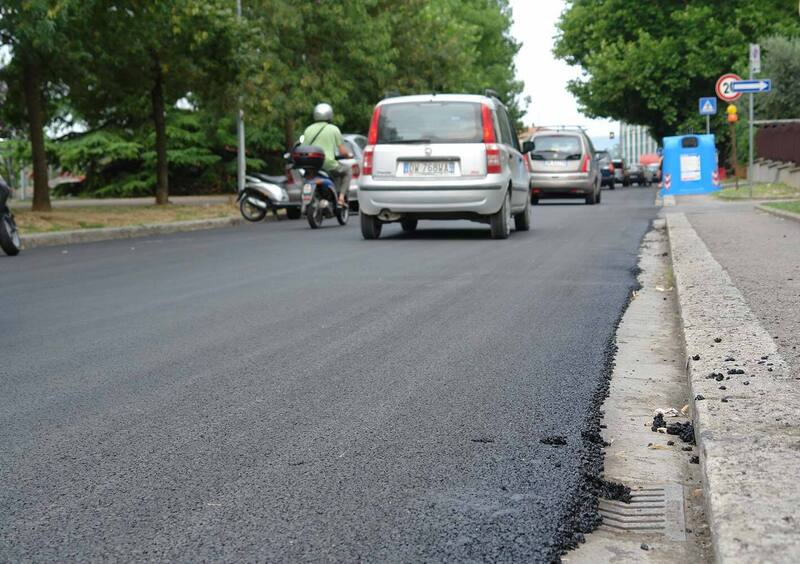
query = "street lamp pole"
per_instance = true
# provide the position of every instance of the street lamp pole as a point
(240, 156)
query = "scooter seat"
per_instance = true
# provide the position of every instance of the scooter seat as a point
(269, 178)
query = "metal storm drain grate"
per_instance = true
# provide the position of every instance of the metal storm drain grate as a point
(653, 509)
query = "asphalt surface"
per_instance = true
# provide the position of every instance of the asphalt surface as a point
(272, 393)
(760, 253)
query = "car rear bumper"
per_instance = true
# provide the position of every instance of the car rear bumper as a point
(547, 185)
(467, 197)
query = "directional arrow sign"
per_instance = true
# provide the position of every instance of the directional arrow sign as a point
(758, 85)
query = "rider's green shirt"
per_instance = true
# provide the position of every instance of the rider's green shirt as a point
(328, 137)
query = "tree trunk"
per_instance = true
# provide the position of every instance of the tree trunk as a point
(32, 84)
(288, 133)
(162, 178)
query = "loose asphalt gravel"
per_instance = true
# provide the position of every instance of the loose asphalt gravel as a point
(272, 393)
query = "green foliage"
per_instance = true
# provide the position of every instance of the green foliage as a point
(648, 65)
(780, 62)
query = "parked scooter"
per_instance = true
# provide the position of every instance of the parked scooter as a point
(264, 193)
(319, 190)
(9, 236)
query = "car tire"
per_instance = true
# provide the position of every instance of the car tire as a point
(370, 226)
(293, 213)
(499, 222)
(408, 225)
(591, 199)
(612, 186)
(534, 200)
(354, 207)
(599, 196)
(522, 220)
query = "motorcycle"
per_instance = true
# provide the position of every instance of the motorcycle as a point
(264, 193)
(9, 235)
(319, 192)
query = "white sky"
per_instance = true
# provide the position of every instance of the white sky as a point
(545, 76)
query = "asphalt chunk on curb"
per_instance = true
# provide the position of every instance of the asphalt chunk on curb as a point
(108, 233)
(748, 447)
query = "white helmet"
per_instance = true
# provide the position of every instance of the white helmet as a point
(323, 112)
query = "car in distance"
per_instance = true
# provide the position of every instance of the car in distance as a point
(443, 156)
(620, 172)
(638, 175)
(603, 159)
(355, 143)
(563, 165)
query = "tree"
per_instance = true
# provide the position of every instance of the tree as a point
(649, 65)
(781, 56)
(141, 57)
(37, 33)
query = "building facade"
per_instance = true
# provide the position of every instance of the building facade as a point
(635, 141)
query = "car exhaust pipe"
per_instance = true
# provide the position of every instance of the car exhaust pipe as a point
(386, 215)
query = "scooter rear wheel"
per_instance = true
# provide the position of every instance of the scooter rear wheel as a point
(251, 212)
(314, 214)
(9, 236)
(343, 214)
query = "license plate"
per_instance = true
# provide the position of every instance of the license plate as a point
(428, 168)
(307, 188)
(556, 164)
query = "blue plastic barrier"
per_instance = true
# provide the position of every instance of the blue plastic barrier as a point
(690, 165)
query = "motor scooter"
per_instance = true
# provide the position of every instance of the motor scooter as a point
(264, 193)
(320, 199)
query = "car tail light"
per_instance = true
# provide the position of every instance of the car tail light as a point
(356, 170)
(493, 165)
(528, 166)
(366, 165)
(585, 167)
(372, 137)
(488, 124)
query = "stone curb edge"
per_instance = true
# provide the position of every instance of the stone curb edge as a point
(745, 433)
(780, 213)
(108, 233)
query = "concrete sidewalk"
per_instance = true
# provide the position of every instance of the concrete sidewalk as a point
(736, 272)
(149, 201)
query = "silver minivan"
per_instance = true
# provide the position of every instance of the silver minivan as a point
(443, 156)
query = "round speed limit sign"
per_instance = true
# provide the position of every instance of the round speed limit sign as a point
(724, 89)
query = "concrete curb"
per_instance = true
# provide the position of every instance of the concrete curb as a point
(747, 435)
(107, 233)
(780, 213)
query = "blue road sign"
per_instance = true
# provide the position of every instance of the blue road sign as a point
(757, 85)
(708, 106)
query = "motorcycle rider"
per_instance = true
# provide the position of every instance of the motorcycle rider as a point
(327, 136)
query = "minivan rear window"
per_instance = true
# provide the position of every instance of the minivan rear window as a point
(430, 122)
(560, 144)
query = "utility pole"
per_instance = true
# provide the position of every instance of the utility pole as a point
(754, 66)
(240, 156)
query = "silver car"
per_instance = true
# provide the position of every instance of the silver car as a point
(355, 143)
(564, 165)
(443, 156)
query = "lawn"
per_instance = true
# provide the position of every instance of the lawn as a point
(96, 217)
(786, 206)
(768, 191)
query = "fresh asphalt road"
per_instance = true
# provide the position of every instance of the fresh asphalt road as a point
(273, 393)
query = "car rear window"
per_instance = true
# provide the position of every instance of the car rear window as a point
(557, 145)
(433, 122)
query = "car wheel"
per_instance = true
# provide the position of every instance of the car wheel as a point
(534, 200)
(370, 226)
(354, 207)
(293, 213)
(500, 222)
(591, 199)
(409, 225)
(522, 220)
(599, 196)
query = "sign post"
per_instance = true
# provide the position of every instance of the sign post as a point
(755, 66)
(708, 108)
(733, 117)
